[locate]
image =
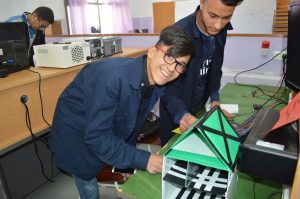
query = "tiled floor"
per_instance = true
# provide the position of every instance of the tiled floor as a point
(64, 187)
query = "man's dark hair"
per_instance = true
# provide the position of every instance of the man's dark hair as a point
(231, 2)
(179, 42)
(45, 13)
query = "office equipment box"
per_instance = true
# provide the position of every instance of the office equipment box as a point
(62, 55)
(202, 161)
(54, 29)
(96, 44)
(111, 45)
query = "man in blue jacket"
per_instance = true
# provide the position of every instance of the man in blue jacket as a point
(207, 27)
(35, 22)
(98, 116)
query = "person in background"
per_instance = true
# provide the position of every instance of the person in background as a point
(99, 114)
(35, 22)
(207, 27)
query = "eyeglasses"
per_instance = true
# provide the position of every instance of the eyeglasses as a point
(42, 26)
(169, 59)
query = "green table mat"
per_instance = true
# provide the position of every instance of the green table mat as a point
(143, 185)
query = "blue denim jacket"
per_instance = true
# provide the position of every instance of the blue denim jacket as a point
(97, 116)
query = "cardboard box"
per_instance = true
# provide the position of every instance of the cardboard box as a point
(202, 161)
(54, 29)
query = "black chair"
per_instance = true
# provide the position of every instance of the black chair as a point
(141, 30)
(94, 30)
(149, 131)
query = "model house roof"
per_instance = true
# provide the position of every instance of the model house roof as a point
(211, 141)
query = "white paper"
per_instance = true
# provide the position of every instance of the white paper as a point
(270, 145)
(230, 108)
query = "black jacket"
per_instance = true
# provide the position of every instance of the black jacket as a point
(179, 96)
(39, 39)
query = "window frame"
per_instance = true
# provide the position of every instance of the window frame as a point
(96, 3)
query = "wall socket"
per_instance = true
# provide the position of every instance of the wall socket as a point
(279, 56)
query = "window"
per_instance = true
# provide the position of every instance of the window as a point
(94, 15)
(92, 12)
(106, 16)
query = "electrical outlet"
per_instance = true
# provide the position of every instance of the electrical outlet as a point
(278, 55)
(24, 99)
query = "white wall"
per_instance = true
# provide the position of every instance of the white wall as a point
(141, 8)
(15, 7)
(184, 8)
(252, 16)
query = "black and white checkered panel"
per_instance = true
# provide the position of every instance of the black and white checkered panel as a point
(177, 173)
(186, 193)
(208, 179)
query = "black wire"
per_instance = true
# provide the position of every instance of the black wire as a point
(261, 90)
(243, 114)
(41, 99)
(42, 112)
(253, 188)
(277, 104)
(269, 197)
(282, 101)
(257, 66)
(273, 194)
(284, 92)
(34, 138)
(27, 194)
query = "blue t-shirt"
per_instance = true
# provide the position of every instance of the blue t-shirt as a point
(207, 51)
(23, 18)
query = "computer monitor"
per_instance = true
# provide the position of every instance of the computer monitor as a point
(13, 47)
(13, 31)
(292, 79)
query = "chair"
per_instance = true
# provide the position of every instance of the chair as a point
(141, 30)
(149, 132)
(94, 30)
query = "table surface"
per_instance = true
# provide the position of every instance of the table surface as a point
(13, 129)
(144, 185)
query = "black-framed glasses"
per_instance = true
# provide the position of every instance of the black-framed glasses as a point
(169, 59)
(42, 26)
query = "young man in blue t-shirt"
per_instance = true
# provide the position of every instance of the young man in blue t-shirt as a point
(35, 22)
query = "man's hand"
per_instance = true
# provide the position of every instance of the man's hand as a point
(155, 163)
(186, 121)
(226, 113)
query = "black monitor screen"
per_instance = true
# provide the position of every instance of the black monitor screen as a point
(13, 31)
(293, 48)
